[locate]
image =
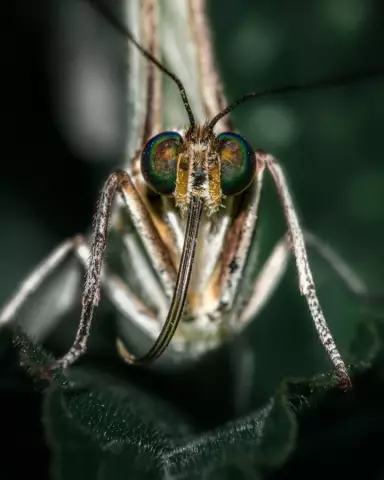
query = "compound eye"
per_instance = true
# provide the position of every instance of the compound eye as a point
(238, 164)
(159, 162)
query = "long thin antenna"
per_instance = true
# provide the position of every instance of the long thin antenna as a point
(103, 10)
(328, 82)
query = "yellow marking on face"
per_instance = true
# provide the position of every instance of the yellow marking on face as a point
(215, 194)
(181, 191)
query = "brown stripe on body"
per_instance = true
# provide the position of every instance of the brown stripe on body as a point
(153, 82)
(210, 83)
(150, 19)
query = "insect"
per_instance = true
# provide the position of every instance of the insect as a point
(192, 196)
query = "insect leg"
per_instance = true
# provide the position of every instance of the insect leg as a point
(306, 283)
(354, 283)
(266, 281)
(116, 290)
(34, 281)
(119, 181)
(275, 266)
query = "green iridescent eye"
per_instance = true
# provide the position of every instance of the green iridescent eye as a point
(238, 163)
(159, 162)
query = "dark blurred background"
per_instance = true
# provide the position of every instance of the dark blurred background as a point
(64, 116)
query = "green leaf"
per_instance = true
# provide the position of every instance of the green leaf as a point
(263, 438)
(114, 412)
(75, 456)
(114, 428)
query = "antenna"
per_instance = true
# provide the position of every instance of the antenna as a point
(344, 79)
(103, 10)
